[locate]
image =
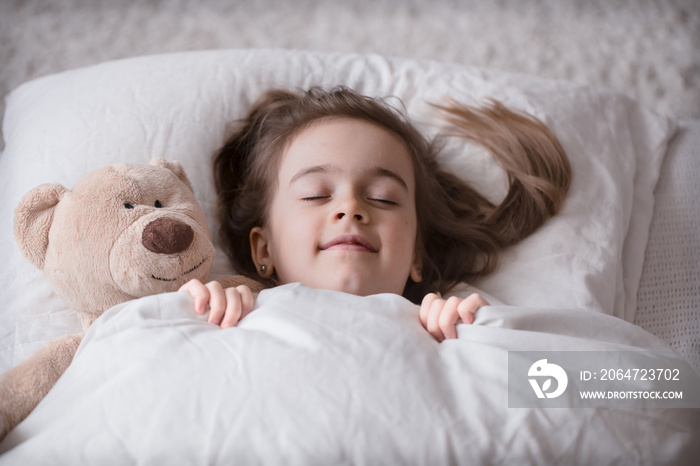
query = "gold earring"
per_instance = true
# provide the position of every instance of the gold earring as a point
(416, 274)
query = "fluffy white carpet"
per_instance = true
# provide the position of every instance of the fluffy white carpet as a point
(648, 49)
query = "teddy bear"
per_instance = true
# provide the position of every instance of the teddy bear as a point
(123, 232)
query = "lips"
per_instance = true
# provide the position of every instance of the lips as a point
(349, 243)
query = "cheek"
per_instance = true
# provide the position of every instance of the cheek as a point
(411, 228)
(411, 224)
(404, 234)
(290, 232)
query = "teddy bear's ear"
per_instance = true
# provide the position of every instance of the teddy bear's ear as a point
(174, 167)
(33, 219)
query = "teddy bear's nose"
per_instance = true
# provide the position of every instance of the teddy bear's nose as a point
(167, 236)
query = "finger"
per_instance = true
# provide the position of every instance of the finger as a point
(192, 283)
(217, 302)
(469, 306)
(448, 317)
(199, 292)
(247, 300)
(233, 308)
(433, 325)
(425, 308)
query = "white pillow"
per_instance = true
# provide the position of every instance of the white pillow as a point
(177, 106)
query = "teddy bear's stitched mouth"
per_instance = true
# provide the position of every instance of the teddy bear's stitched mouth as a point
(186, 272)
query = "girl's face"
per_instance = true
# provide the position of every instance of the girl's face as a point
(343, 216)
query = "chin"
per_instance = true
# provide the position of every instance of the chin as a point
(363, 287)
(350, 286)
(355, 290)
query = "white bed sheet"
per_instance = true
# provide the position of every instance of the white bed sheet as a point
(318, 377)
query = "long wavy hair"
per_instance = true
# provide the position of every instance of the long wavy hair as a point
(461, 234)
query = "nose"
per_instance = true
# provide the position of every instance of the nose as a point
(167, 236)
(351, 209)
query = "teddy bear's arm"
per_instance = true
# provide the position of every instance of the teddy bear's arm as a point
(25, 385)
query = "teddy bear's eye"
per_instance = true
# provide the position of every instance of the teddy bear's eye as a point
(158, 205)
(128, 206)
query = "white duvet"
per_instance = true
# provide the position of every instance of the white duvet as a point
(323, 378)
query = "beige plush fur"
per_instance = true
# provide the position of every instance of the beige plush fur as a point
(122, 232)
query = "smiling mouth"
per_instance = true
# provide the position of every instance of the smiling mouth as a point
(186, 272)
(349, 243)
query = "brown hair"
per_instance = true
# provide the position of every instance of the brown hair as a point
(460, 233)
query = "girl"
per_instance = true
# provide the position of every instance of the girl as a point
(340, 191)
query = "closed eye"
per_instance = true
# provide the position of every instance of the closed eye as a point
(314, 198)
(383, 201)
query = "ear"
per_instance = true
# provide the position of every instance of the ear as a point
(174, 167)
(417, 269)
(33, 219)
(260, 250)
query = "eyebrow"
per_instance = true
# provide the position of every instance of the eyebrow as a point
(384, 173)
(378, 172)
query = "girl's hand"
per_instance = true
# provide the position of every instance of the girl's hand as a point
(226, 305)
(440, 317)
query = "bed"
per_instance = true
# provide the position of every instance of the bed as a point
(318, 377)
